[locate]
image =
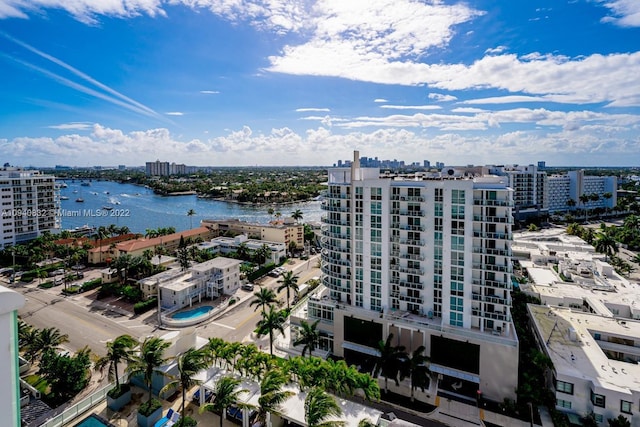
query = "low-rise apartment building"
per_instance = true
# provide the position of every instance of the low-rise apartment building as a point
(284, 231)
(226, 245)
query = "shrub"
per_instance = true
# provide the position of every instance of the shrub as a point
(260, 272)
(71, 290)
(144, 306)
(116, 392)
(232, 301)
(91, 284)
(47, 285)
(187, 421)
(147, 408)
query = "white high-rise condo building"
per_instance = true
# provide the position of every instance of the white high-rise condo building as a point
(29, 205)
(427, 259)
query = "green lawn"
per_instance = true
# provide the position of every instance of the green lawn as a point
(38, 383)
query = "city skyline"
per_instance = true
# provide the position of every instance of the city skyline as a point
(267, 83)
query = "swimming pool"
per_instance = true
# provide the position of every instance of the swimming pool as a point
(94, 420)
(192, 314)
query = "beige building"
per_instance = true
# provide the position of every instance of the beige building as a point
(169, 242)
(283, 231)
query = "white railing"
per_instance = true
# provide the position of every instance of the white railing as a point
(73, 412)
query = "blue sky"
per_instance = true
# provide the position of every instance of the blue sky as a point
(286, 82)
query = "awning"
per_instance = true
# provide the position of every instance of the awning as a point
(361, 349)
(454, 373)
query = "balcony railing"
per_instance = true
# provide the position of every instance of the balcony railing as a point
(486, 202)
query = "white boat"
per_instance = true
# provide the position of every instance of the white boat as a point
(107, 208)
(64, 198)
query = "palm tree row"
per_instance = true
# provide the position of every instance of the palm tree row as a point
(394, 363)
(314, 375)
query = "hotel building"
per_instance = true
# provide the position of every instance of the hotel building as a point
(427, 259)
(29, 205)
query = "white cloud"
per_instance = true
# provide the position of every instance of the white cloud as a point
(210, 92)
(625, 13)
(83, 10)
(596, 136)
(497, 49)
(411, 107)
(174, 113)
(510, 99)
(465, 110)
(306, 110)
(379, 100)
(439, 97)
(71, 126)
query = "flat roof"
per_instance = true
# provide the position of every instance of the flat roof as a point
(569, 338)
(219, 262)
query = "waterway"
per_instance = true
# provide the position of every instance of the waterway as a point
(140, 209)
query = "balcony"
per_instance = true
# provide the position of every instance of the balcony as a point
(335, 221)
(337, 196)
(408, 285)
(492, 267)
(485, 202)
(414, 300)
(491, 315)
(492, 251)
(335, 208)
(326, 270)
(343, 236)
(492, 299)
(493, 219)
(491, 283)
(337, 261)
(499, 236)
(416, 271)
(406, 212)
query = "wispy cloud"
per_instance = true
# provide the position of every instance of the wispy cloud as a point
(72, 126)
(121, 100)
(510, 99)
(411, 107)
(306, 110)
(625, 13)
(174, 113)
(380, 100)
(210, 92)
(439, 97)
(495, 50)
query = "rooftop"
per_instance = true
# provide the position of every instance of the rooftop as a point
(570, 343)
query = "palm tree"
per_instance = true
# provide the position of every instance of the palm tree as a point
(119, 350)
(243, 251)
(271, 394)
(190, 214)
(263, 298)
(584, 198)
(418, 370)
(271, 321)
(49, 339)
(225, 395)
(318, 406)
(190, 363)
(309, 336)
(271, 211)
(297, 215)
(606, 244)
(389, 361)
(289, 282)
(262, 253)
(148, 361)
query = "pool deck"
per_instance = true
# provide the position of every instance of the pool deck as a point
(126, 417)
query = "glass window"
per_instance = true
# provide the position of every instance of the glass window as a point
(564, 387)
(563, 403)
(625, 406)
(598, 399)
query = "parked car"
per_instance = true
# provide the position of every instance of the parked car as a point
(247, 287)
(56, 272)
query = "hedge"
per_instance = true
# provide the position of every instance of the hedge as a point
(260, 272)
(144, 306)
(91, 284)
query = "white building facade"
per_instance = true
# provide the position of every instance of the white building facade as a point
(10, 302)
(429, 261)
(29, 205)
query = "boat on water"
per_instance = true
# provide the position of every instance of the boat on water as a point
(107, 208)
(63, 185)
(64, 198)
(75, 191)
(85, 184)
(80, 200)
